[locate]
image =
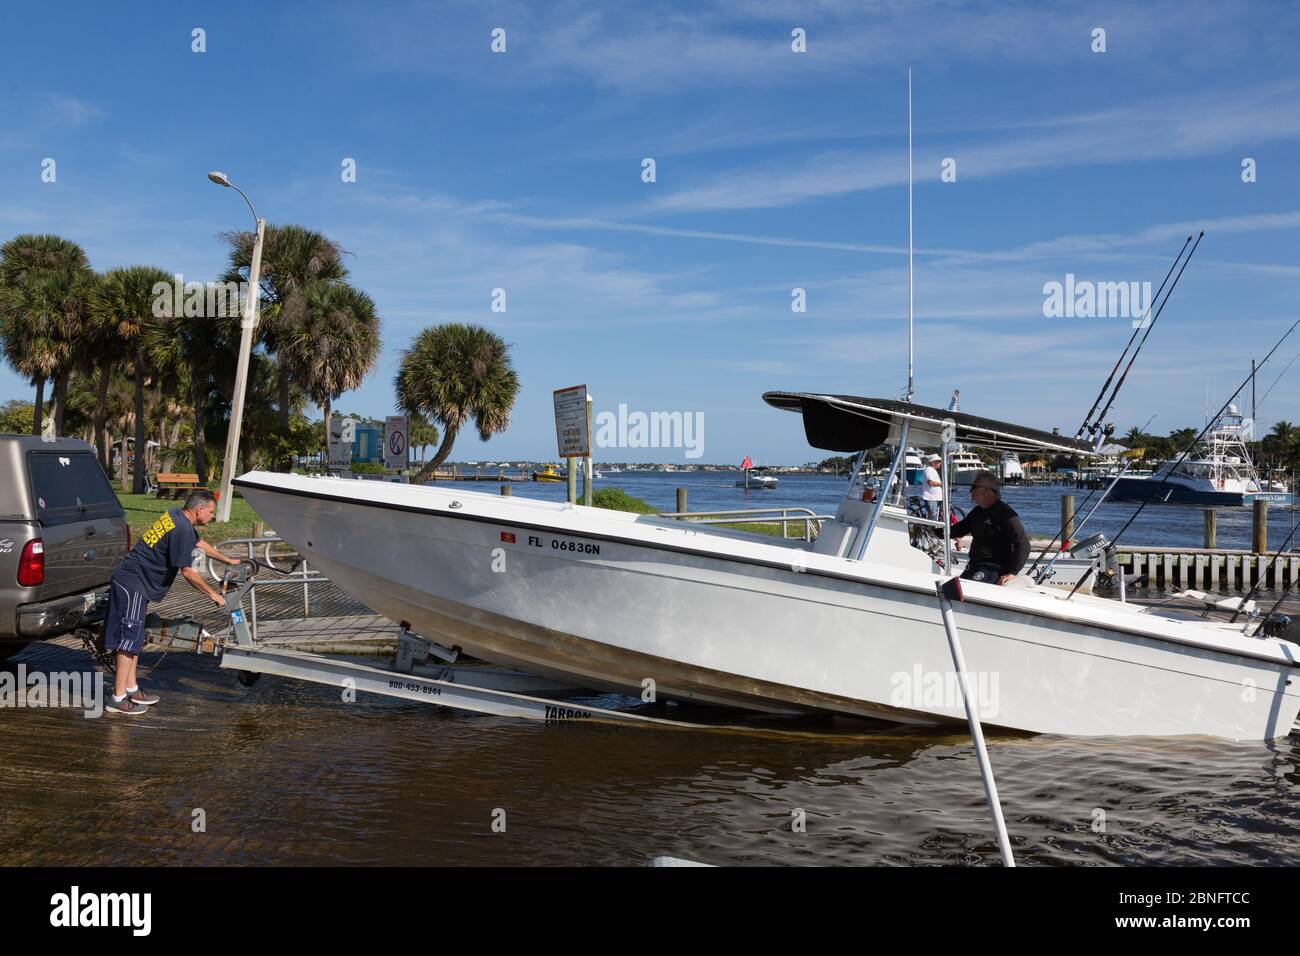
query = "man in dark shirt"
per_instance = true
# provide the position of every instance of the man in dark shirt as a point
(999, 546)
(169, 545)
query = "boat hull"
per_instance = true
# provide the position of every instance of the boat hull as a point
(618, 602)
(1174, 493)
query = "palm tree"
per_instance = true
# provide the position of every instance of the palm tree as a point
(453, 373)
(334, 344)
(293, 259)
(126, 302)
(193, 351)
(44, 281)
(104, 351)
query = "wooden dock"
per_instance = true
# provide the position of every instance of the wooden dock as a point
(1168, 569)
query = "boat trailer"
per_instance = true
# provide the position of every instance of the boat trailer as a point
(421, 670)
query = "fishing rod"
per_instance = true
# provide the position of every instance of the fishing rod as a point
(1087, 419)
(1042, 554)
(1278, 379)
(1277, 604)
(1169, 471)
(1262, 578)
(1047, 569)
(1120, 384)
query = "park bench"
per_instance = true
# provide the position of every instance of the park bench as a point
(176, 484)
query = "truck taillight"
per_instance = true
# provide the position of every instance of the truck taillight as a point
(31, 566)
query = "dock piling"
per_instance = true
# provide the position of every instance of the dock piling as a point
(1210, 528)
(681, 501)
(1259, 527)
(1067, 521)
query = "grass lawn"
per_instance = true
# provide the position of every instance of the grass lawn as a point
(143, 510)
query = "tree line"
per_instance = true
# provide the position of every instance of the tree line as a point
(124, 354)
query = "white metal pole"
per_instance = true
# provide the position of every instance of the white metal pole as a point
(947, 510)
(246, 327)
(976, 731)
(909, 235)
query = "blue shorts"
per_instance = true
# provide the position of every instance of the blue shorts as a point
(983, 572)
(124, 620)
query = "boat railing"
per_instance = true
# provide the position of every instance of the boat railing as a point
(301, 575)
(781, 516)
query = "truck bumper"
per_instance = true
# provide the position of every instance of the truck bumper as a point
(61, 615)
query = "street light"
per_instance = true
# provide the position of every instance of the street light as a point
(246, 325)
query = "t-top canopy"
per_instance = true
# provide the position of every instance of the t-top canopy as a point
(848, 423)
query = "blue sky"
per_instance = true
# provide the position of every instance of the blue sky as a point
(775, 170)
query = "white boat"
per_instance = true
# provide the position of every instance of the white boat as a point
(964, 465)
(1010, 469)
(1219, 472)
(849, 625)
(752, 480)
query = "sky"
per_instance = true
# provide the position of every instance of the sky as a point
(774, 170)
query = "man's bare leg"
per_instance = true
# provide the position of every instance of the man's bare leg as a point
(124, 673)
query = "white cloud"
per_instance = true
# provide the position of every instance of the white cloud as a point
(1170, 129)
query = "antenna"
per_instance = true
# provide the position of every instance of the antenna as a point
(909, 234)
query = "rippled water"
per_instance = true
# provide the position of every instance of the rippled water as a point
(287, 773)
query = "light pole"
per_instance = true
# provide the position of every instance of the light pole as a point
(246, 326)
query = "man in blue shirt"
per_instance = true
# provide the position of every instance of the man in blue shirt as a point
(170, 544)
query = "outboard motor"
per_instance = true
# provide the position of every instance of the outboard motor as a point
(1099, 548)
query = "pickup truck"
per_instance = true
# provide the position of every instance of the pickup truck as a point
(62, 532)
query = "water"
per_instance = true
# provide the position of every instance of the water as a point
(286, 773)
(1039, 506)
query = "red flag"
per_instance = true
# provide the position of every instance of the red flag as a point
(746, 464)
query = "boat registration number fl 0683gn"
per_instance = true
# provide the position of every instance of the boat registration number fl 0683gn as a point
(563, 544)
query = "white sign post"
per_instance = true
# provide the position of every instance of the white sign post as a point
(572, 429)
(397, 446)
(571, 433)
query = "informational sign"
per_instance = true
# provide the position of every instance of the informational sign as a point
(342, 433)
(571, 433)
(397, 434)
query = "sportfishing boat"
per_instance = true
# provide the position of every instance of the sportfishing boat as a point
(1219, 472)
(849, 624)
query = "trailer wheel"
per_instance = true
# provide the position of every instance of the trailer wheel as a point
(247, 678)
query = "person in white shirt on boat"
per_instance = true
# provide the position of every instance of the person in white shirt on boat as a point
(932, 491)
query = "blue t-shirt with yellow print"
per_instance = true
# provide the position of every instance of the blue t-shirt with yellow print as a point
(168, 545)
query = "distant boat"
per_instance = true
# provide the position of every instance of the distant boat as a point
(1218, 472)
(768, 482)
(549, 473)
(1009, 467)
(963, 466)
